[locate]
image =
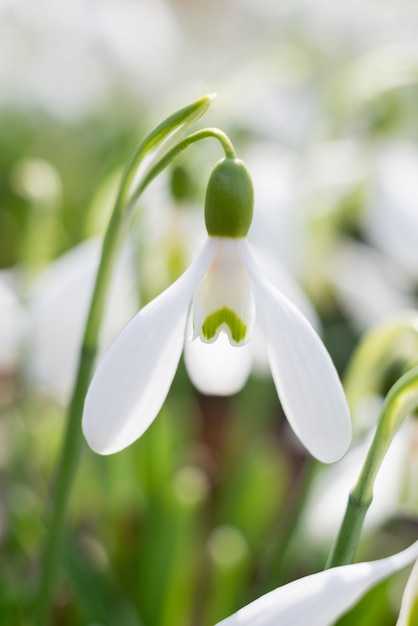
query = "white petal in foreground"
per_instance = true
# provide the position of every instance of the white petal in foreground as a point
(134, 377)
(218, 368)
(303, 372)
(319, 599)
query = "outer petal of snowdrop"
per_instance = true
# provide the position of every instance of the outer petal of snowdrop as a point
(321, 598)
(133, 379)
(304, 374)
(218, 368)
(286, 284)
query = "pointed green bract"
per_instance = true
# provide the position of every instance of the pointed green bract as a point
(224, 316)
(156, 145)
(183, 118)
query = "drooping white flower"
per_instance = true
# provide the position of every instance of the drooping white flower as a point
(319, 599)
(224, 291)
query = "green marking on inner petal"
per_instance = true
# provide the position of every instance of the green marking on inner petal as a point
(224, 316)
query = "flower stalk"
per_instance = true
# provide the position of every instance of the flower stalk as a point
(401, 401)
(157, 147)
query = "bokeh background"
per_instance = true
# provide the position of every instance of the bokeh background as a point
(217, 503)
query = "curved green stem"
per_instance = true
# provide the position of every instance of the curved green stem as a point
(389, 343)
(401, 401)
(206, 133)
(160, 140)
(158, 143)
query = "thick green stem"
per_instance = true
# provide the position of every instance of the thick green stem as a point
(401, 401)
(349, 533)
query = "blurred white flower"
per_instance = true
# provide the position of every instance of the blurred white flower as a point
(68, 59)
(282, 105)
(391, 221)
(319, 599)
(12, 322)
(170, 234)
(328, 497)
(381, 68)
(355, 271)
(58, 305)
(278, 226)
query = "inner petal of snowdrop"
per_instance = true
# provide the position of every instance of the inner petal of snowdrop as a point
(224, 301)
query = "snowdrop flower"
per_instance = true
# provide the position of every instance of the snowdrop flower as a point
(391, 222)
(58, 304)
(319, 599)
(355, 270)
(224, 290)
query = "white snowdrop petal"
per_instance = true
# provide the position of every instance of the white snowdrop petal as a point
(286, 284)
(133, 378)
(321, 598)
(218, 368)
(223, 301)
(303, 372)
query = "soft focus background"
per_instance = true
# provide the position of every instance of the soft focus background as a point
(217, 503)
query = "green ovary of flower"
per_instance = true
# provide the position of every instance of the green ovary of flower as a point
(229, 200)
(224, 316)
